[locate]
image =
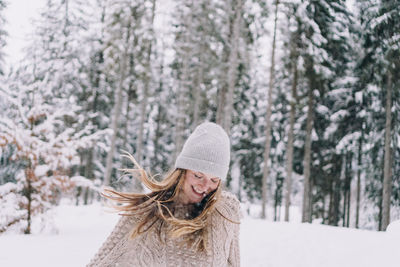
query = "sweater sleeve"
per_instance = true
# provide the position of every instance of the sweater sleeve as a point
(234, 252)
(120, 229)
(229, 208)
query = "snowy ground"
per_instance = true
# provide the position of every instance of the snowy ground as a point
(271, 244)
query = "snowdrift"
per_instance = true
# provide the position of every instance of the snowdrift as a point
(81, 230)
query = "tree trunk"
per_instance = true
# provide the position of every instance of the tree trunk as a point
(183, 86)
(117, 108)
(157, 132)
(359, 179)
(88, 172)
(349, 175)
(78, 195)
(223, 90)
(96, 82)
(348, 208)
(347, 188)
(143, 103)
(306, 211)
(232, 67)
(324, 209)
(387, 179)
(86, 196)
(268, 121)
(198, 82)
(180, 121)
(29, 175)
(336, 203)
(380, 202)
(197, 96)
(289, 159)
(343, 178)
(127, 111)
(29, 197)
(331, 200)
(198, 99)
(132, 91)
(221, 104)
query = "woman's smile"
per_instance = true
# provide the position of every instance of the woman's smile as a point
(198, 192)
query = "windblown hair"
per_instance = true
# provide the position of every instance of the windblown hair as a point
(156, 207)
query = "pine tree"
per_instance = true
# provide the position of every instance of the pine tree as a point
(128, 38)
(268, 119)
(94, 97)
(42, 141)
(381, 64)
(293, 47)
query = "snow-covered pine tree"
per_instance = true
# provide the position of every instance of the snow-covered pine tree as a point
(245, 177)
(95, 96)
(380, 23)
(205, 55)
(267, 149)
(124, 33)
(197, 64)
(334, 115)
(128, 39)
(290, 73)
(60, 52)
(184, 67)
(38, 130)
(159, 138)
(159, 148)
(319, 37)
(48, 86)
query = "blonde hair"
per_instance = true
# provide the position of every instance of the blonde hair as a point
(155, 206)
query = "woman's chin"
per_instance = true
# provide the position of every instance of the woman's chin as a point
(195, 199)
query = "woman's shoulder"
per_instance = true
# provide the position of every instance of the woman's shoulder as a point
(229, 198)
(228, 206)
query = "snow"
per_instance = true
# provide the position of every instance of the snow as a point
(82, 230)
(394, 228)
(41, 170)
(339, 115)
(7, 188)
(82, 181)
(322, 109)
(359, 97)
(348, 141)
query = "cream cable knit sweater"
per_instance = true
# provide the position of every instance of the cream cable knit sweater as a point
(148, 250)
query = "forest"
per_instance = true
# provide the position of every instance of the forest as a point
(309, 92)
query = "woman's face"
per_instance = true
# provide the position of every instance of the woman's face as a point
(197, 185)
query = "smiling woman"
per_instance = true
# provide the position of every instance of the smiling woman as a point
(186, 219)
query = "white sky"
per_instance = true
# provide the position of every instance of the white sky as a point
(18, 14)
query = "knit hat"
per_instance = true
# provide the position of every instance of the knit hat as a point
(206, 150)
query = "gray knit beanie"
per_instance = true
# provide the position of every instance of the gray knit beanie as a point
(206, 150)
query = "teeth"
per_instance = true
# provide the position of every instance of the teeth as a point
(198, 191)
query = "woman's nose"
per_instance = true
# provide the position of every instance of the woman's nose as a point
(205, 184)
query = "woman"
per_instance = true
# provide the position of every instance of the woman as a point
(186, 220)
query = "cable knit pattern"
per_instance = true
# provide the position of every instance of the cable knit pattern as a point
(149, 249)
